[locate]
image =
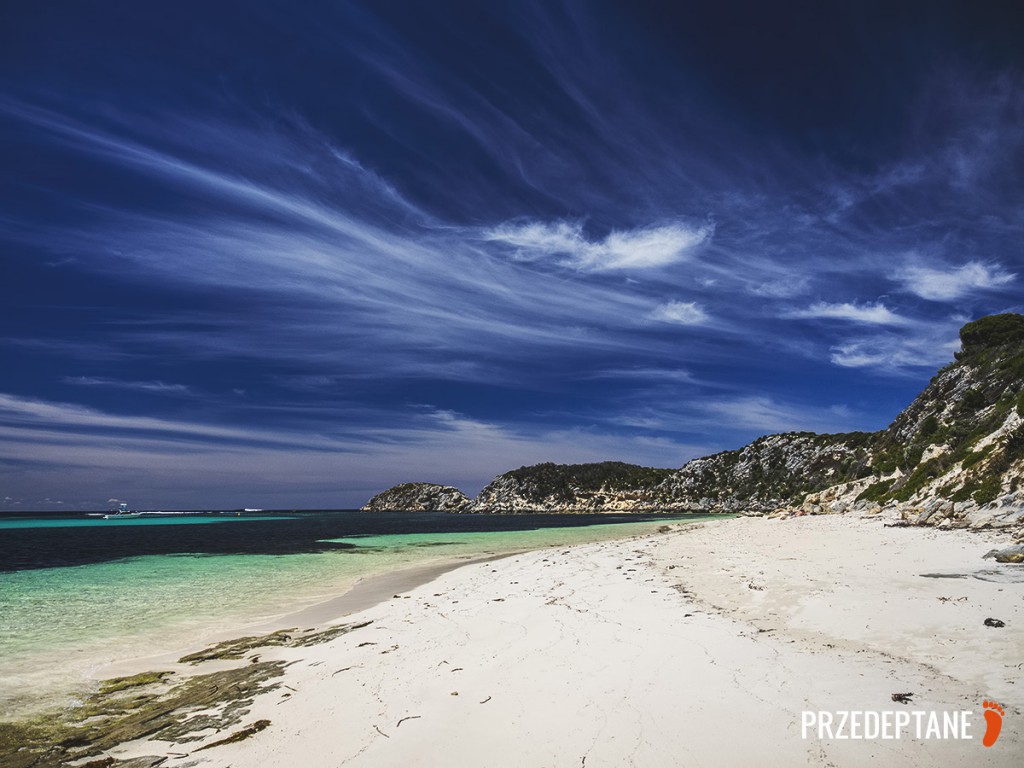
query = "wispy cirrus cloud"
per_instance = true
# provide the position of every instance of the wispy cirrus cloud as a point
(321, 235)
(738, 418)
(145, 458)
(781, 289)
(867, 314)
(57, 419)
(646, 375)
(567, 245)
(156, 387)
(680, 313)
(768, 414)
(897, 354)
(585, 238)
(951, 283)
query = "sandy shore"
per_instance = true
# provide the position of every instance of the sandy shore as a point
(700, 646)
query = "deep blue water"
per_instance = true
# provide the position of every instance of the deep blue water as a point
(48, 540)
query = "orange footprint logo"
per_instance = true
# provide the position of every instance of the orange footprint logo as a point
(993, 722)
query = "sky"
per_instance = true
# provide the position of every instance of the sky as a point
(286, 255)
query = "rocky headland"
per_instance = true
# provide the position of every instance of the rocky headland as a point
(419, 497)
(954, 458)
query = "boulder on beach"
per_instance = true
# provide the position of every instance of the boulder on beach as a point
(1014, 554)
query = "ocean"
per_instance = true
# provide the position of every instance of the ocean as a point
(79, 593)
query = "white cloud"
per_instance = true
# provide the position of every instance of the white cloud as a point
(891, 354)
(158, 387)
(952, 283)
(861, 354)
(781, 289)
(633, 249)
(681, 313)
(869, 314)
(155, 462)
(646, 375)
(769, 415)
(20, 413)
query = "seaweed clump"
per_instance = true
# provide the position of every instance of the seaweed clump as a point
(161, 705)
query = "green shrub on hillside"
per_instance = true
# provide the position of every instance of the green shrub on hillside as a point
(988, 490)
(918, 479)
(928, 427)
(973, 400)
(973, 458)
(993, 330)
(876, 491)
(968, 489)
(562, 481)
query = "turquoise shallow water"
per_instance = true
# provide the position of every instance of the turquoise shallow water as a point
(59, 626)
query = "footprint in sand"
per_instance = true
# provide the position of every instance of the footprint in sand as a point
(993, 722)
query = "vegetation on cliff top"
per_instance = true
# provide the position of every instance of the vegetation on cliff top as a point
(562, 482)
(992, 331)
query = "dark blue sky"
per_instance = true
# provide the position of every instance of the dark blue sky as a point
(266, 254)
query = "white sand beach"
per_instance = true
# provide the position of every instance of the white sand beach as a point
(699, 646)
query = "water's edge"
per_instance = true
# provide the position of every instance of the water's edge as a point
(63, 677)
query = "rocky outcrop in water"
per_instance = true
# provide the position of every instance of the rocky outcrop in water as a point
(418, 497)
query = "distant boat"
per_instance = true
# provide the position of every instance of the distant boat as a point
(122, 513)
(251, 510)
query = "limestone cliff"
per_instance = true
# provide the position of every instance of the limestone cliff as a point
(772, 471)
(599, 487)
(954, 457)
